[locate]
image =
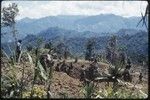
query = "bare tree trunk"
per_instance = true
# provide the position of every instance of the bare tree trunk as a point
(15, 40)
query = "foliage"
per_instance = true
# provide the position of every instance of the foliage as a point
(14, 86)
(49, 45)
(88, 90)
(62, 50)
(37, 64)
(9, 14)
(3, 53)
(42, 71)
(63, 95)
(11, 84)
(8, 19)
(122, 48)
(89, 49)
(120, 93)
(11, 87)
(145, 16)
(111, 50)
(38, 92)
(29, 48)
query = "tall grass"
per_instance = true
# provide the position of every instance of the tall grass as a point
(49, 81)
(88, 89)
(35, 72)
(38, 69)
(21, 87)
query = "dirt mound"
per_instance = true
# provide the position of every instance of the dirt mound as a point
(75, 72)
(63, 83)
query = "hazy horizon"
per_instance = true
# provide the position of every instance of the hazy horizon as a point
(40, 9)
(77, 15)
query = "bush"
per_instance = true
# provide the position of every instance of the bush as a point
(120, 93)
(29, 48)
(48, 45)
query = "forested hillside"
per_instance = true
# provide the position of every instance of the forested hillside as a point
(100, 24)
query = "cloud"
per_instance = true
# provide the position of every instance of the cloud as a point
(38, 9)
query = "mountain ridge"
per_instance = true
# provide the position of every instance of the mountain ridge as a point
(102, 23)
(136, 43)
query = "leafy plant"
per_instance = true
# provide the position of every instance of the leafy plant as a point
(29, 48)
(42, 71)
(89, 49)
(63, 95)
(88, 90)
(38, 92)
(120, 93)
(49, 81)
(8, 20)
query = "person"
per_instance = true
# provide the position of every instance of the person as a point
(92, 59)
(140, 77)
(82, 75)
(18, 50)
(70, 67)
(123, 57)
(128, 66)
(126, 75)
(76, 60)
(63, 66)
(46, 61)
(57, 67)
(129, 61)
(49, 61)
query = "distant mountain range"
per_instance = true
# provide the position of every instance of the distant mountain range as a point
(98, 25)
(135, 41)
(74, 31)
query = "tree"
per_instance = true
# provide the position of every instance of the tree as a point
(111, 50)
(60, 49)
(29, 47)
(89, 49)
(144, 16)
(8, 18)
(66, 53)
(49, 45)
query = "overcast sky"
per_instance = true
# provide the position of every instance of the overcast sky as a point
(38, 9)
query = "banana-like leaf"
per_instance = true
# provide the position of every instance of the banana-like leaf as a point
(89, 90)
(11, 94)
(30, 58)
(5, 54)
(42, 71)
(144, 95)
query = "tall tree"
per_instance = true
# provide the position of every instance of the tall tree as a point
(66, 53)
(89, 49)
(8, 18)
(49, 45)
(60, 49)
(144, 16)
(111, 50)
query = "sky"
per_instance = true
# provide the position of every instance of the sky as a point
(39, 9)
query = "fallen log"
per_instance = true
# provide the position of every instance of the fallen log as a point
(120, 82)
(105, 79)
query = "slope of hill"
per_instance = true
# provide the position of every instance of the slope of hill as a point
(64, 85)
